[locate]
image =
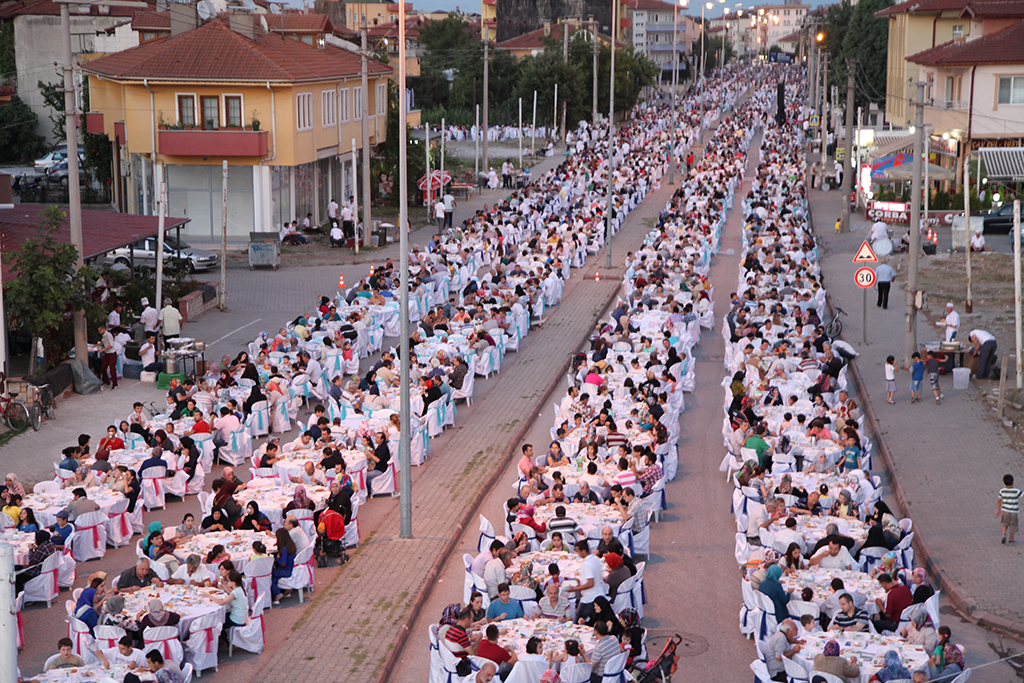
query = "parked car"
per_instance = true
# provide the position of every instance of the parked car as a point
(57, 155)
(145, 254)
(57, 174)
(999, 221)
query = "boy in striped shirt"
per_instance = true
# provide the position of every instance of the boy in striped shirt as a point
(1009, 507)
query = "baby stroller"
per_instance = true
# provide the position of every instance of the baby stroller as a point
(330, 532)
(660, 670)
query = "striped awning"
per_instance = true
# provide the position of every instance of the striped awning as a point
(1004, 164)
(891, 144)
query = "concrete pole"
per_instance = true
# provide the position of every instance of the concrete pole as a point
(355, 198)
(440, 192)
(404, 458)
(611, 144)
(596, 42)
(675, 71)
(74, 190)
(487, 56)
(364, 125)
(824, 117)
(554, 121)
(910, 343)
(969, 306)
(533, 142)
(1016, 291)
(849, 177)
(476, 145)
(520, 134)
(224, 236)
(426, 151)
(161, 213)
(3, 332)
(565, 60)
(8, 615)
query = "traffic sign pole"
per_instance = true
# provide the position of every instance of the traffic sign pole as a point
(864, 317)
(865, 278)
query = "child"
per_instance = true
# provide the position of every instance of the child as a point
(556, 575)
(890, 378)
(809, 625)
(851, 454)
(1009, 508)
(932, 364)
(916, 378)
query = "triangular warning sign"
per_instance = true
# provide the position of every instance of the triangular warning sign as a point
(865, 254)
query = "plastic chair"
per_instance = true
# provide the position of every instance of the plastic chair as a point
(119, 528)
(257, 573)
(83, 643)
(576, 673)
(90, 541)
(258, 421)
(46, 487)
(238, 447)
(615, 669)
(153, 489)
(166, 638)
(794, 672)
(107, 636)
(302, 573)
(486, 535)
(250, 636)
(202, 645)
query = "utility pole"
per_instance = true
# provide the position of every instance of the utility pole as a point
(969, 306)
(849, 177)
(404, 455)
(554, 113)
(565, 60)
(1016, 291)
(812, 70)
(476, 145)
(426, 151)
(596, 41)
(487, 56)
(533, 140)
(910, 344)
(365, 126)
(8, 615)
(519, 134)
(675, 71)
(224, 237)
(823, 118)
(610, 209)
(74, 191)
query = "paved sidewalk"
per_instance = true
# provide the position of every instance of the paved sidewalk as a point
(946, 461)
(364, 607)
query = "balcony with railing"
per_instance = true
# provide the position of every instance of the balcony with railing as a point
(946, 115)
(237, 142)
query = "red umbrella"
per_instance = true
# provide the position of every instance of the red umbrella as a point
(437, 180)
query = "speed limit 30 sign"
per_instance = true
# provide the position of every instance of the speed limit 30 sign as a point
(865, 277)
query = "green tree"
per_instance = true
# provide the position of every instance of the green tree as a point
(48, 286)
(8, 65)
(96, 147)
(53, 98)
(540, 74)
(19, 141)
(866, 40)
(387, 152)
(836, 28)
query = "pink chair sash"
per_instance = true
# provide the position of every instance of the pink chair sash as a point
(95, 534)
(56, 588)
(211, 642)
(126, 529)
(157, 484)
(21, 630)
(166, 647)
(255, 587)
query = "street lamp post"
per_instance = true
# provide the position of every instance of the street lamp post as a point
(675, 72)
(405, 460)
(609, 208)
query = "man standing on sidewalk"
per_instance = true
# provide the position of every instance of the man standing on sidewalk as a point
(951, 322)
(170, 320)
(984, 350)
(883, 282)
(105, 347)
(449, 208)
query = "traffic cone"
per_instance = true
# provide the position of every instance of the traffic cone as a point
(935, 237)
(597, 276)
(341, 281)
(371, 268)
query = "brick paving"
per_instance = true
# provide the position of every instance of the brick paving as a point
(361, 609)
(947, 460)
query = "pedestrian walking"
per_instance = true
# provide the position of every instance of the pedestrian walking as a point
(449, 208)
(932, 366)
(890, 378)
(1009, 508)
(916, 377)
(439, 215)
(883, 283)
(106, 350)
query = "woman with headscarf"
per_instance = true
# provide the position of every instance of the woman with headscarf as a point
(603, 612)
(947, 660)
(771, 587)
(892, 531)
(89, 600)
(284, 562)
(632, 634)
(154, 527)
(879, 509)
(253, 519)
(876, 537)
(845, 507)
(524, 577)
(920, 630)
(14, 487)
(157, 616)
(191, 456)
(226, 380)
(300, 502)
(893, 669)
(920, 587)
(255, 396)
(133, 489)
(113, 615)
(832, 662)
(889, 564)
(216, 521)
(617, 573)
(525, 517)
(84, 478)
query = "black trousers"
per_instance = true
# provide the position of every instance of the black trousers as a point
(883, 294)
(986, 359)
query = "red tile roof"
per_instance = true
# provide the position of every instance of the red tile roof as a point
(1002, 47)
(102, 231)
(993, 9)
(292, 22)
(213, 52)
(922, 7)
(147, 20)
(650, 5)
(413, 25)
(50, 8)
(534, 40)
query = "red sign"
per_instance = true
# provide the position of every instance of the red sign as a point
(890, 212)
(864, 277)
(865, 254)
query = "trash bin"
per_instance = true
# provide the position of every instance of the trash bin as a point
(961, 378)
(382, 234)
(264, 249)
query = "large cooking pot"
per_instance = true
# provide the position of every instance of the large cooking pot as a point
(172, 365)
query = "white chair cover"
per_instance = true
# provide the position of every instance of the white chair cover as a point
(166, 639)
(250, 636)
(153, 486)
(203, 641)
(302, 573)
(90, 541)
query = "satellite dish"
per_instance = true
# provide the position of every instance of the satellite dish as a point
(263, 24)
(249, 6)
(883, 247)
(275, 8)
(205, 10)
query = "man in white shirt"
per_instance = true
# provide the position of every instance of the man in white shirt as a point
(836, 557)
(346, 221)
(494, 572)
(147, 352)
(449, 208)
(332, 209)
(783, 537)
(337, 236)
(150, 318)
(985, 351)
(480, 561)
(299, 536)
(170, 319)
(224, 425)
(591, 583)
(879, 230)
(310, 476)
(114, 317)
(191, 573)
(439, 215)
(122, 655)
(951, 322)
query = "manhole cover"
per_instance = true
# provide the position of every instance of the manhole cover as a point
(692, 645)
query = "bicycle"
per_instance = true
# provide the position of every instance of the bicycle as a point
(15, 413)
(834, 327)
(43, 406)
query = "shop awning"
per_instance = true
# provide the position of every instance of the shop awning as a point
(906, 172)
(891, 144)
(879, 168)
(1004, 164)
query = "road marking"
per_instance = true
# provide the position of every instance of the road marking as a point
(239, 329)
